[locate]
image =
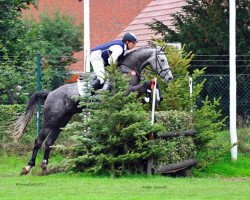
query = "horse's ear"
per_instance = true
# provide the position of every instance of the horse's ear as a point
(159, 48)
(152, 44)
(163, 48)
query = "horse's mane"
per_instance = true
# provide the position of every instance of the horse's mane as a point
(139, 49)
(130, 53)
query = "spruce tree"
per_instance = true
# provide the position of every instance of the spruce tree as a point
(116, 138)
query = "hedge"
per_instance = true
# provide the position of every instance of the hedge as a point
(178, 148)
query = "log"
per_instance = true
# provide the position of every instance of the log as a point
(172, 168)
(171, 134)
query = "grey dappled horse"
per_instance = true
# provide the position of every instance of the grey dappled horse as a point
(59, 105)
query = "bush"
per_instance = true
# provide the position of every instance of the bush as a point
(177, 148)
(115, 141)
(244, 134)
(175, 120)
(117, 135)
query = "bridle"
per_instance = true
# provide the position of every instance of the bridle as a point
(158, 68)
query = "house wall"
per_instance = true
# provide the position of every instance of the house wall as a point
(110, 19)
(107, 17)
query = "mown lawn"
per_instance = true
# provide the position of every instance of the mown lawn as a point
(80, 186)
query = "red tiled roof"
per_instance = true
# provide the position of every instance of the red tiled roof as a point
(158, 9)
(108, 18)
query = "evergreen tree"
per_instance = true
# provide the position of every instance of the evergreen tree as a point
(116, 140)
(203, 25)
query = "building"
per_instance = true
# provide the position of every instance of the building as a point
(110, 19)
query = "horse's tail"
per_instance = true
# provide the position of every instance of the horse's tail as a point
(21, 123)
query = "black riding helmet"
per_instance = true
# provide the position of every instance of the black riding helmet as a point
(129, 37)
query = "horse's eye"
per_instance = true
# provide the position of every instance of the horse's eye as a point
(162, 60)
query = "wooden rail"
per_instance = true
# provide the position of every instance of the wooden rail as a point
(172, 168)
(171, 134)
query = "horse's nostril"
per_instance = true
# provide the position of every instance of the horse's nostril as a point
(170, 79)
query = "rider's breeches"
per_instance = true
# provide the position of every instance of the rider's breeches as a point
(98, 65)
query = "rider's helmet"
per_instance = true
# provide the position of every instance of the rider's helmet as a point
(129, 37)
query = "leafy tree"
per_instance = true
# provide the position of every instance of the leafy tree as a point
(11, 23)
(203, 25)
(11, 28)
(57, 38)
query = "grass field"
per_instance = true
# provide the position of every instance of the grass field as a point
(82, 186)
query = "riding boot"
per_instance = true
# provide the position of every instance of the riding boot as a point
(96, 84)
(107, 86)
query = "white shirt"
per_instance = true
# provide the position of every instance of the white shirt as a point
(116, 52)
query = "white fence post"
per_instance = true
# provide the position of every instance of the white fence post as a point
(232, 89)
(151, 160)
(86, 36)
(191, 92)
(153, 102)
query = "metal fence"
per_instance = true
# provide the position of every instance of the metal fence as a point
(218, 86)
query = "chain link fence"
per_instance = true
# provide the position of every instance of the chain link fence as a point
(217, 86)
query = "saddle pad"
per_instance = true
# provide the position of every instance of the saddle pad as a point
(81, 86)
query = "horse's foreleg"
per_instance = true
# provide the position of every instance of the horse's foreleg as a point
(51, 140)
(140, 88)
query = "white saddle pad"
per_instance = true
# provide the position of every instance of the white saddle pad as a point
(81, 86)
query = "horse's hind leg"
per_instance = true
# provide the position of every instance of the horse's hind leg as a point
(37, 145)
(51, 140)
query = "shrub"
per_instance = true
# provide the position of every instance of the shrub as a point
(177, 148)
(175, 120)
(116, 138)
(244, 134)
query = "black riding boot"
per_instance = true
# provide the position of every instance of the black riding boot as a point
(96, 84)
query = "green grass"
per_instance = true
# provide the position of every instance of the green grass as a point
(228, 168)
(82, 186)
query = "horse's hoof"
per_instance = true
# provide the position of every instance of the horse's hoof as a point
(25, 170)
(44, 165)
(45, 172)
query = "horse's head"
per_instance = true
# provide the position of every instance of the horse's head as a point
(159, 64)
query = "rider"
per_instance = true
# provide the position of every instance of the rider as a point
(107, 54)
